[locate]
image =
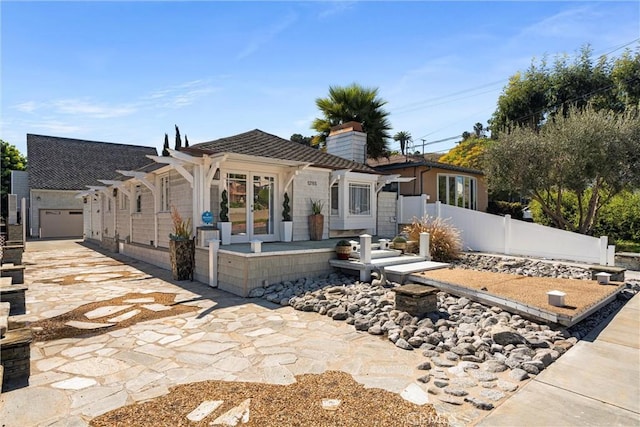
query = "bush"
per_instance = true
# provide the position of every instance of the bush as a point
(445, 243)
(500, 207)
(619, 219)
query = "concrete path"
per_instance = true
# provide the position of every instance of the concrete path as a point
(596, 383)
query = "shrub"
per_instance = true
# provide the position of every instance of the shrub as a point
(500, 207)
(445, 243)
(181, 227)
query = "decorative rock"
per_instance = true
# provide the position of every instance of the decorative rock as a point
(494, 366)
(487, 384)
(442, 363)
(340, 315)
(451, 400)
(483, 375)
(424, 379)
(455, 391)
(415, 341)
(518, 374)
(375, 330)
(433, 390)
(504, 336)
(415, 394)
(331, 404)
(424, 366)
(440, 383)
(480, 404)
(494, 395)
(507, 386)
(403, 344)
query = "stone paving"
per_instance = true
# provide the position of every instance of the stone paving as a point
(228, 338)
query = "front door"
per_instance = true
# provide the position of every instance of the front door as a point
(251, 206)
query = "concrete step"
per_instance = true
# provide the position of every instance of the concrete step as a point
(379, 253)
(415, 267)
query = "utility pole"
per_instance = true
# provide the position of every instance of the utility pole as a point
(423, 144)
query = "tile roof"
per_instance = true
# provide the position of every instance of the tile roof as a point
(259, 143)
(71, 164)
(399, 162)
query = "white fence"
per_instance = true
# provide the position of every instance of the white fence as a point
(493, 233)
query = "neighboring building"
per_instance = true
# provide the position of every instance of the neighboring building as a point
(450, 184)
(20, 187)
(61, 167)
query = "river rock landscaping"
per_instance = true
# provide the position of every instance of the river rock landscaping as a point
(474, 354)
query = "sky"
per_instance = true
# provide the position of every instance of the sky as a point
(127, 72)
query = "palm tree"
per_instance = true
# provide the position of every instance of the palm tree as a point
(403, 137)
(478, 129)
(355, 103)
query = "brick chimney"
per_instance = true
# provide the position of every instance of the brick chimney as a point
(348, 141)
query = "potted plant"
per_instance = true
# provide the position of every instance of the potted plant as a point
(400, 243)
(316, 220)
(224, 224)
(181, 247)
(287, 224)
(343, 249)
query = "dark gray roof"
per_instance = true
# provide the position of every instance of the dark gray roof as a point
(400, 162)
(71, 164)
(259, 143)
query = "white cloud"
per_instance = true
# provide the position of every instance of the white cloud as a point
(56, 127)
(27, 107)
(93, 110)
(576, 23)
(336, 8)
(267, 35)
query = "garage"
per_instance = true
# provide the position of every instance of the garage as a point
(60, 223)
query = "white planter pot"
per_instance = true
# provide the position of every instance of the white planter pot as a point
(225, 232)
(287, 231)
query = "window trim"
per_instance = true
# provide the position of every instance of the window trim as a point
(362, 186)
(459, 191)
(165, 193)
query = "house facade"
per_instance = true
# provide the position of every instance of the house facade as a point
(255, 170)
(449, 184)
(60, 167)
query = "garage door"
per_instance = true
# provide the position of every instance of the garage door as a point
(60, 223)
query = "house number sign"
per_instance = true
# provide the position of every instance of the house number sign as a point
(312, 183)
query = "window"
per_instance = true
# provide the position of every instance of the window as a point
(359, 199)
(123, 201)
(164, 193)
(458, 190)
(335, 204)
(138, 198)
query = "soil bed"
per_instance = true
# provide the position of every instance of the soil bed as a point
(580, 294)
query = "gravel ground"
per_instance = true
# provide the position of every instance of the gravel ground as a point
(297, 404)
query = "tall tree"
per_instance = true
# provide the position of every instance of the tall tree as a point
(469, 153)
(178, 145)
(355, 103)
(544, 92)
(402, 137)
(587, 154)
(12, 159)
(186, 141)
(165, 147)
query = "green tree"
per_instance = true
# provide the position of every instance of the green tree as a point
(355, 103)
(165, 147)
(186, 141)
(590, 154)
(544, 92)
(300, 139)
(402, 137)
(178, 144)
(478, 129)
(12, 159)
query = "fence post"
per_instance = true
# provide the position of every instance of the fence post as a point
(438, 206)
(423, 206)
(424, 246)
(214, 247)
(365, 249)
(604, 240)
(400, 211)
(611, 255)
(507, 234)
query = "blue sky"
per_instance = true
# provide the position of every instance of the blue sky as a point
(128, 71)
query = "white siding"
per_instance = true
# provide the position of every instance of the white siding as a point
(387, 224)
(310, 184)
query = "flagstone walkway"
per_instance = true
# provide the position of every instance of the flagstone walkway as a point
(227, 338)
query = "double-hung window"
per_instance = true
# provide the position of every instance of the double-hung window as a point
(359, 199)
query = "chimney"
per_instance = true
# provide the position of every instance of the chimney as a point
(348, 141)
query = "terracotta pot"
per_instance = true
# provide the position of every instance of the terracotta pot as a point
(316, 226)
(182, 256)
